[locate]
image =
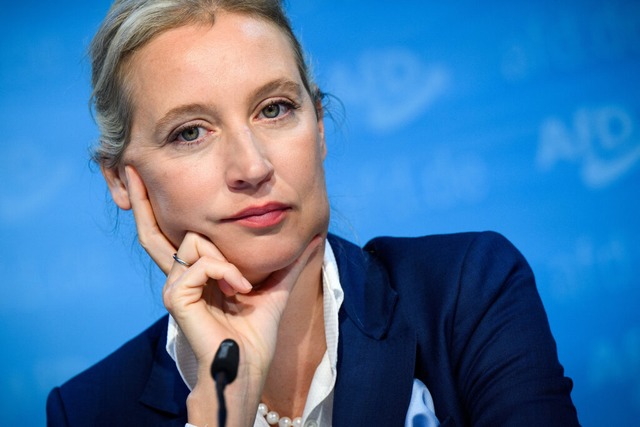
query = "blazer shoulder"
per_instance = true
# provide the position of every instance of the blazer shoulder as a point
(132, 358)
(440, 275)
(115, 388)
(442, 256)
(453, 243)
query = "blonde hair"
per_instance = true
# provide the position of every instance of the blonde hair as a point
(130, 24)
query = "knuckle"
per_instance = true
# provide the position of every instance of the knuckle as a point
(168, 295)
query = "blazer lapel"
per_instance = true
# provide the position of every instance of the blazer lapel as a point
(165, 390)
(377, 347)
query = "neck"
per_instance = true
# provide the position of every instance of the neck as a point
(301, 343)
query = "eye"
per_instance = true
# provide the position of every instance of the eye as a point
(271, 111)
(277, 109)
(191, 134)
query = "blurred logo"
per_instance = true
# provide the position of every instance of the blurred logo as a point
(390, 88)
(573, 37)
(601, 140)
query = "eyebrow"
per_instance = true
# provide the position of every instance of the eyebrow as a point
(164, 124)
(281, 84)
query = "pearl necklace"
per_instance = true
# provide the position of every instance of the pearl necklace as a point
(273, 418)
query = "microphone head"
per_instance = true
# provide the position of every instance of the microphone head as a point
(226, 360)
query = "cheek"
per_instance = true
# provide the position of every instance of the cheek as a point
(306, 153)
(173, 199)
(310, 173)
(310, 169)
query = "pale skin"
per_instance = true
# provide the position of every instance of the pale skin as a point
(221, 124)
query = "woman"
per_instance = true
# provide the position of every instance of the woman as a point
(212, 133)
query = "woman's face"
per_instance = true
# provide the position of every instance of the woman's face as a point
(227, 142)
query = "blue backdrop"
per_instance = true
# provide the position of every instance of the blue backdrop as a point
(521, 117)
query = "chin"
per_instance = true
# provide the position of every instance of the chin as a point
(260, 257)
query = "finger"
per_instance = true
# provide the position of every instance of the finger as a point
(150, 236)
(185, 287)
(193, 247)
(227, 289)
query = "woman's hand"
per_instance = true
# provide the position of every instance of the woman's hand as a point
(212, 301)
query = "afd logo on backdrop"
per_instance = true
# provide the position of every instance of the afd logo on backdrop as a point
(601, 140)
(389, 87)
(572, 36)
(591, 265)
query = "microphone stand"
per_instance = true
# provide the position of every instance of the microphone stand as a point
(224, 370)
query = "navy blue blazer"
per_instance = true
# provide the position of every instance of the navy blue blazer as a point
(460, 312)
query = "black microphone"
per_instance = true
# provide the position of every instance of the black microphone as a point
(224, 370)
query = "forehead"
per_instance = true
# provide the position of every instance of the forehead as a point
(236, 53)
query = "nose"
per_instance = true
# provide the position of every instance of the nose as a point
(247, 164)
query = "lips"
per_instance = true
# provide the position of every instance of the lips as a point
(266, 215)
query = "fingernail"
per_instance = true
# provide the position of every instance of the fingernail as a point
(247, 285)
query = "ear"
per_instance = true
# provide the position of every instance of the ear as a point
(320, 116)
(117, 182)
